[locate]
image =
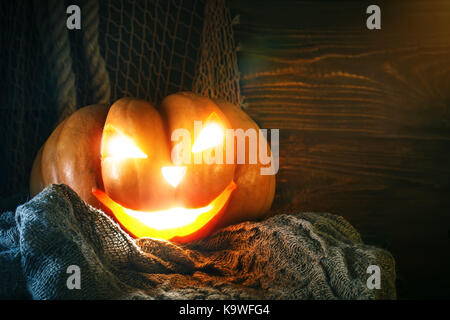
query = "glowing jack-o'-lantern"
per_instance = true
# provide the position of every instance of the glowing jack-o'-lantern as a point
(120, 159)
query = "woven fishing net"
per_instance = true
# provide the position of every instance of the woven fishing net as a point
(141, 48)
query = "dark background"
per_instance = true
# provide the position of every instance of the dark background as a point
(364, 117)
(364, 120)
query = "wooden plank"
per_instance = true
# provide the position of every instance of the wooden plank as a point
(364, 119)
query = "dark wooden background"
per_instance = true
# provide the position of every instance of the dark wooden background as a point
(364, 119)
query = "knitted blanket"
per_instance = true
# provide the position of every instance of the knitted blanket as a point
(56, 236)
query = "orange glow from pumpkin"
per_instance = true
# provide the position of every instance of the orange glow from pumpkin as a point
(174, 174)
(166, 224)
(211, 135)
(121, 147)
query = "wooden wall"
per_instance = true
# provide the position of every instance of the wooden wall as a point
(364, 119)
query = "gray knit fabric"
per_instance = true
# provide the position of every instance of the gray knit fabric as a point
(289, 256)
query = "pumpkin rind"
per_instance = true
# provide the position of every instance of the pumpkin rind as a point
(71, 155)
(255, 192)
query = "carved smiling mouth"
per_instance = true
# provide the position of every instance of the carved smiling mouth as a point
(166, 224)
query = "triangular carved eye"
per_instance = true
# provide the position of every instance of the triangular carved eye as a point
(211, 135)
(116, 145)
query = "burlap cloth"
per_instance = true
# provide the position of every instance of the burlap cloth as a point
(289, 256)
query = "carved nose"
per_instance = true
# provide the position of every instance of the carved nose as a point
(174, 174)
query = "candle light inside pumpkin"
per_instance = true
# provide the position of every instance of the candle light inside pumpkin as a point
(122, 147)
(166, 224)
(174, 174)
(210, 136)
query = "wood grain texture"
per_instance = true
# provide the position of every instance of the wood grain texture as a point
(364, 119)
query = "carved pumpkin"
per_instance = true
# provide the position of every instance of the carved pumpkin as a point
(119, 159)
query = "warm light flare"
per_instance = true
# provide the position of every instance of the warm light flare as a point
(171, 218)
(166, 224)
(174, 174)
(210, 136)
(121, 147)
